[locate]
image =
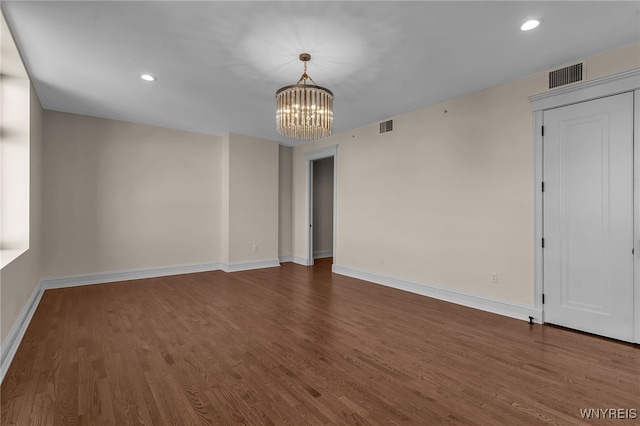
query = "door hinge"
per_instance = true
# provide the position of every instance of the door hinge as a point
(542, 130)
(542, 186)
(633, 251)
(543, 298)
(543, 243)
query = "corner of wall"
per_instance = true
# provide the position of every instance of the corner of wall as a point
(285, 205)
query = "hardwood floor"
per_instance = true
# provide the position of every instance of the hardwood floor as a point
(301, 346)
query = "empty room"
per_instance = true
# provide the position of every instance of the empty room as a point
(319, 213)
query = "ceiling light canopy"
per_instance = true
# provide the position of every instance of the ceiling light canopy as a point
(148, 77)
(531, 24)
(304, 111)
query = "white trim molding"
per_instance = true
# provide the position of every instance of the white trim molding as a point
(636, 213)
(592, 89)
(322, 254)
(295, 259)
(496, 306)
(13, 339)
(133, 274)
(299, 260)
(246, 266)
(538, 229)
(320, 153)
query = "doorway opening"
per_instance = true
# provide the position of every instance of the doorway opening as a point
(322, 211)
(321, 204)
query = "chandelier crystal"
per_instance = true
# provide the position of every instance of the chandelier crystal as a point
(304, 111)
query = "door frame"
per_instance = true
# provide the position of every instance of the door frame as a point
(628, 81)
(309, 158)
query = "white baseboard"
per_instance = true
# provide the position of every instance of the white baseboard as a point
(303, 260)
(500, 307)
(322, 254)
(133, 274)
(300, 260)
(245, 266)
(13, 339)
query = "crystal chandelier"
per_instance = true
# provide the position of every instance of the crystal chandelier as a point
(304, 111)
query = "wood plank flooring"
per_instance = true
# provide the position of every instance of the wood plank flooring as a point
(301, 346)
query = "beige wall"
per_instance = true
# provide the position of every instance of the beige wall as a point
(446, 198)
(323, 205)
(613, 61)
(19, 278)
(121, 196)
(252, 199)
(284, 201)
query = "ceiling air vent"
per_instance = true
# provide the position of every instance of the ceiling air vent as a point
(386, 126)
(566, 75)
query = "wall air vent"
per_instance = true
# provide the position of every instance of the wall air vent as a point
(567, 75)
(386, 126)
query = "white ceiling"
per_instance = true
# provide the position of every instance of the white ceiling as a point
(219, 64)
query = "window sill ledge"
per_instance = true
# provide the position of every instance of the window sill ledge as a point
(8, 256)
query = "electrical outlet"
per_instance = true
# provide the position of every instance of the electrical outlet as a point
(255, 247)
(494, 277)
(381, 259)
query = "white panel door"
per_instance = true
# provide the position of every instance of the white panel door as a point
(588, 216)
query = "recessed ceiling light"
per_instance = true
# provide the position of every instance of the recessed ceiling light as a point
(148, 77)
(531, 24)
